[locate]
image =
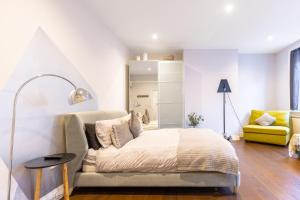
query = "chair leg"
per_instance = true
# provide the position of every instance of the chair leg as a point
(65, 180)
(38, 184)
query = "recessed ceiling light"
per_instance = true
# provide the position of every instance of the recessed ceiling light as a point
(149, 69)
(154, 36)
(270, 38)
(229, 8)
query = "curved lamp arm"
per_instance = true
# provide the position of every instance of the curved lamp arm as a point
(77, 95)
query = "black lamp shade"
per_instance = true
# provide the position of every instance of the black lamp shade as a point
(224, 86)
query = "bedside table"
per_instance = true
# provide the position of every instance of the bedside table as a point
(42, 162)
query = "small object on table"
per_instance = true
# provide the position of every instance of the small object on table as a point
(53, 157)
(50, 161)
(294, 146)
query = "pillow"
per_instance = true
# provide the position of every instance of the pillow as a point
(139, 116)
(145, 120)
(146, 117)
(135, 125)
(89, 161)
(265, 120)
(90, 133)
(104, 129)
(121, 135)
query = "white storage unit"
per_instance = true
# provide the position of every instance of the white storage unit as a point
(162, 80)
(170, 94)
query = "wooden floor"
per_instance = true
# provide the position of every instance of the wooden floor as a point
(267, 173)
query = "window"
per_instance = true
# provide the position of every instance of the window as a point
(295, 79)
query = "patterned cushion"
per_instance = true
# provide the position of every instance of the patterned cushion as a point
(104, 129)
(121, 135)
(135, 125)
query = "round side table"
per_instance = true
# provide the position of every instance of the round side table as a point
(52, 160)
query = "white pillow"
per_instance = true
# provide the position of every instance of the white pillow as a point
(265, 120)
(104, 129)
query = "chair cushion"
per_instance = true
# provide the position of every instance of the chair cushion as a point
(282, 117)
(271, 130)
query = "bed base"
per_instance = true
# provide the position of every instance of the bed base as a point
(187, 179)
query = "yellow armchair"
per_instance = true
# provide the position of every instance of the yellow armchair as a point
(278, 133)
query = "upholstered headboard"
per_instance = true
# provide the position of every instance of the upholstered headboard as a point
(75, 136)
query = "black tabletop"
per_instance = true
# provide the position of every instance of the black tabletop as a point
(43, 163)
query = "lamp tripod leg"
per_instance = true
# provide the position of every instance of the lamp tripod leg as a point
(229, 138)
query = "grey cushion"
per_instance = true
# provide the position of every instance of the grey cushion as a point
(121, 135)
(135, 125)
(104, 129)
(90, 133)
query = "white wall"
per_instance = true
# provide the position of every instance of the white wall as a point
(257, 80)
(203, 71)
(85, 41)
(39, 130)
(283, 76)
(252, 78)
(73, 43)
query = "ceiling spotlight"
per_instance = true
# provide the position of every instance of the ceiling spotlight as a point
(229, 8)
(149, 69)
(154, 36)
(270, 38)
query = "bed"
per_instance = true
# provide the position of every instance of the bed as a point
(153, 125)
(177, 153)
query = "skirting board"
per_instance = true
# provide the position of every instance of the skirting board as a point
(55, 194)
(16, 192)
(235, 137)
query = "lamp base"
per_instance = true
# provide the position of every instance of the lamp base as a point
(227, 137)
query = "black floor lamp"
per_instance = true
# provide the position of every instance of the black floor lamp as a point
(224, 88)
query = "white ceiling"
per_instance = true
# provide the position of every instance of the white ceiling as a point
(201, 24)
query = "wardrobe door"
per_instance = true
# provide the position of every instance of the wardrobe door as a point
(170, 94)
(143, 92)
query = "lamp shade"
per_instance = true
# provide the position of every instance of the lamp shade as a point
(79, 95)
(224, 86)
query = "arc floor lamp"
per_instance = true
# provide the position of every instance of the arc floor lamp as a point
(224, 88)
(77, 95)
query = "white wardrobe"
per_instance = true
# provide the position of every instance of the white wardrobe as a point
(157, 86)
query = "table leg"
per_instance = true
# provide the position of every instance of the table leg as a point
(66, 183)
(38, 184)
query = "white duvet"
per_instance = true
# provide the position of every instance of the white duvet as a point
(163, 151)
